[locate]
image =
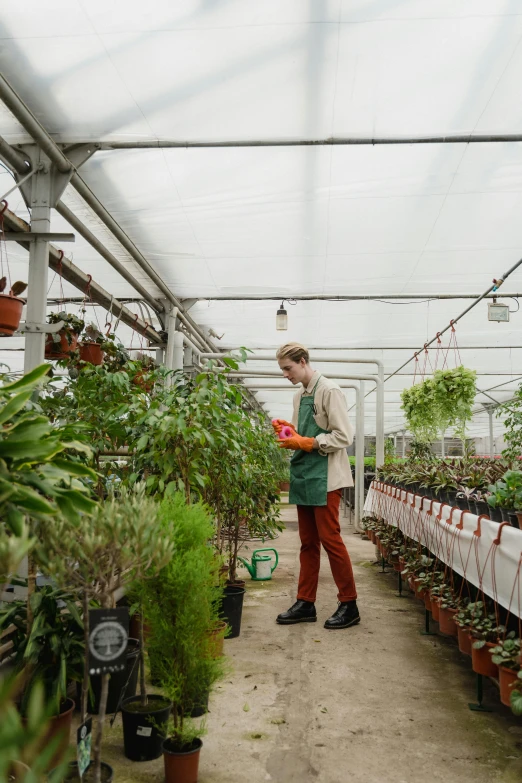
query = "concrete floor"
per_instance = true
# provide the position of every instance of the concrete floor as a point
(378, 703)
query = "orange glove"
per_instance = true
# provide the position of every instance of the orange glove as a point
(278, 425)
(297, 443)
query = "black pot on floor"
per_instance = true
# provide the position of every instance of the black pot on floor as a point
(117, 682)
(232, 608)
(142, 733)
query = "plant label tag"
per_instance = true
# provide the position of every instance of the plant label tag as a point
(144, 731)
(108, 637)
(83, 746)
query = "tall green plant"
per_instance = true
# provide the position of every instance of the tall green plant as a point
(181, 608)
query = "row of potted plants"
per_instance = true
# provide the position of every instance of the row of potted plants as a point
(486, 486)
(485, 631)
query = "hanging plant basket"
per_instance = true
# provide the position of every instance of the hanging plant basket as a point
(61, 349)
(92, 353)
(435, 609)
(447, 624)
(10, 314)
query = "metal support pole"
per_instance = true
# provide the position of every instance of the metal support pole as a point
(491, 435)
(379, 423)
(38, 262)
(442, 450)
(403, 433)
(359, 457)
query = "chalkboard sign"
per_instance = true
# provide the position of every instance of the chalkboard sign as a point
(108, 636)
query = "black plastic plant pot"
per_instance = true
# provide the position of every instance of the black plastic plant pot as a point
(72, 775)
(462, 503)
(482, 507)
(232, 608)
(505, 514)
(495, 514)
(117, 683)
(202, 707)
(513, 518)
(142, 727)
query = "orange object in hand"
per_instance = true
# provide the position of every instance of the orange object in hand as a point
(297, 443)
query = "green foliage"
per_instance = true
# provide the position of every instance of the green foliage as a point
(37, 477)
(181, 607)
(443, 401)
(516, 696)
(507, 652)
(507, 492)
(512, 427)
(23, 740)
(52, 652)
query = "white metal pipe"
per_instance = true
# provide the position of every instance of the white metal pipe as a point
(359, 457)
(491, 436)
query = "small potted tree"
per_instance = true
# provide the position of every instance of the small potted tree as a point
(11, 306)
(97, 557)
(60, 344)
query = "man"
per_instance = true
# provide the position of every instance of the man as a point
(318, 470)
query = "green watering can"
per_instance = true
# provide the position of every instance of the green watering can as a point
(261, 568)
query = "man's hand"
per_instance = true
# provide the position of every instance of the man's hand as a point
(297, 442)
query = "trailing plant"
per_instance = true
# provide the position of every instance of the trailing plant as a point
(72, 325)
(443, 401)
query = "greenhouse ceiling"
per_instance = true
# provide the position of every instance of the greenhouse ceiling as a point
(200, 110)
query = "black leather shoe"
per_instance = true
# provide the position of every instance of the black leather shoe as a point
(300, 612)
(346, 615)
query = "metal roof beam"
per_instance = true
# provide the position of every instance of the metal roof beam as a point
(83, 282)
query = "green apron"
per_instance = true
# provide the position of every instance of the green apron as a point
(308, 470)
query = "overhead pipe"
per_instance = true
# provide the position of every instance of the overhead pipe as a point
(343, 297)
(370, 141)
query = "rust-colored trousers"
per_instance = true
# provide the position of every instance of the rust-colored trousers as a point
(320, 525)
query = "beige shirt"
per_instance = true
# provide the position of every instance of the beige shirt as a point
(332, 415)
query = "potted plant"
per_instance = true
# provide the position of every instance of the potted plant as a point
(181, 605)
(50, 651)
(506, 495)
(11, 306)
(506, 655)
(91, 346)
(463, 619)
(96, 558)
(485, 631)
(449, 605)
(60, 344)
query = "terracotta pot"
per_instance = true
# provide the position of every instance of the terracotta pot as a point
(68, 343)
(284, 486)
(481, 662)
(402, 563)
(447, 624)
(181, 766)
(217, 637)
(464, 640)
(435, 609)
(427, 601)
(92, 353)
(10, 313)
(60, 726)
(397, 567)
(506, 678)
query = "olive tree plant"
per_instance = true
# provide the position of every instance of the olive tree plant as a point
(101, 554)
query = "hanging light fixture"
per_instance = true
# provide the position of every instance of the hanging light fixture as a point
(282, 318)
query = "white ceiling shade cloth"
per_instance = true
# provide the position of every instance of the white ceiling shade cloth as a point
(289, 221)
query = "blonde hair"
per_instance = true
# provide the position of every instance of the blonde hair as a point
(293, 351)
